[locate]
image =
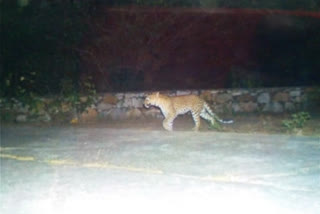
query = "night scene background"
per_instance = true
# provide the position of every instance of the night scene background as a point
(76, 135)
(53, 47)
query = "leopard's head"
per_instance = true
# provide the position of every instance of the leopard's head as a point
(151, 99)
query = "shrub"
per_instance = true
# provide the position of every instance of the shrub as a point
(297, 121)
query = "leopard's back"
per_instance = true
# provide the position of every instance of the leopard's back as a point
(186, 103)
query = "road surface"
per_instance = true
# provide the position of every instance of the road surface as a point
(103, 170)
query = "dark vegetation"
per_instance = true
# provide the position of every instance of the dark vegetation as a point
(39, 47)
(54, 47)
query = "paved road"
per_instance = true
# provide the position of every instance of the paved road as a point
(103, 170)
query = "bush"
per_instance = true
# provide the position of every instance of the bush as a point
(297, 121)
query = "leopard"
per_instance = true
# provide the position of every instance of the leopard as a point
(172, 106)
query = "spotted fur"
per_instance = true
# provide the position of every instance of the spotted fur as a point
(171, 107)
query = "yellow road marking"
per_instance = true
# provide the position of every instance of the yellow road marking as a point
(64, 162)
(20, 158)
(60, 162)
(127, 168)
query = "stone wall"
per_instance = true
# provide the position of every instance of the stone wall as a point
(262, 100)
(119, 106)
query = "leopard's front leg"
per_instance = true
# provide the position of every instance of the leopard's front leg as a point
(168, 122)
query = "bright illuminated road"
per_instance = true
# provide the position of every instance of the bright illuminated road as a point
(97, 170)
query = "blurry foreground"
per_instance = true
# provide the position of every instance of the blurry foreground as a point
(105, 170)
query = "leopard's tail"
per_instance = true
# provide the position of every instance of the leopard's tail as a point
(208, 109)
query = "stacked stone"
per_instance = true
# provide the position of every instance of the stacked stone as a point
(266, 100)
(118, 106)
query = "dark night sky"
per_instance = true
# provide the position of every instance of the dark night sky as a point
(197, 48)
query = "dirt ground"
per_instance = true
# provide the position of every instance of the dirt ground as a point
(244, 123)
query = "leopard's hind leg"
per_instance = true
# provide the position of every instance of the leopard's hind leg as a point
(207, 117)
(196, 119)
